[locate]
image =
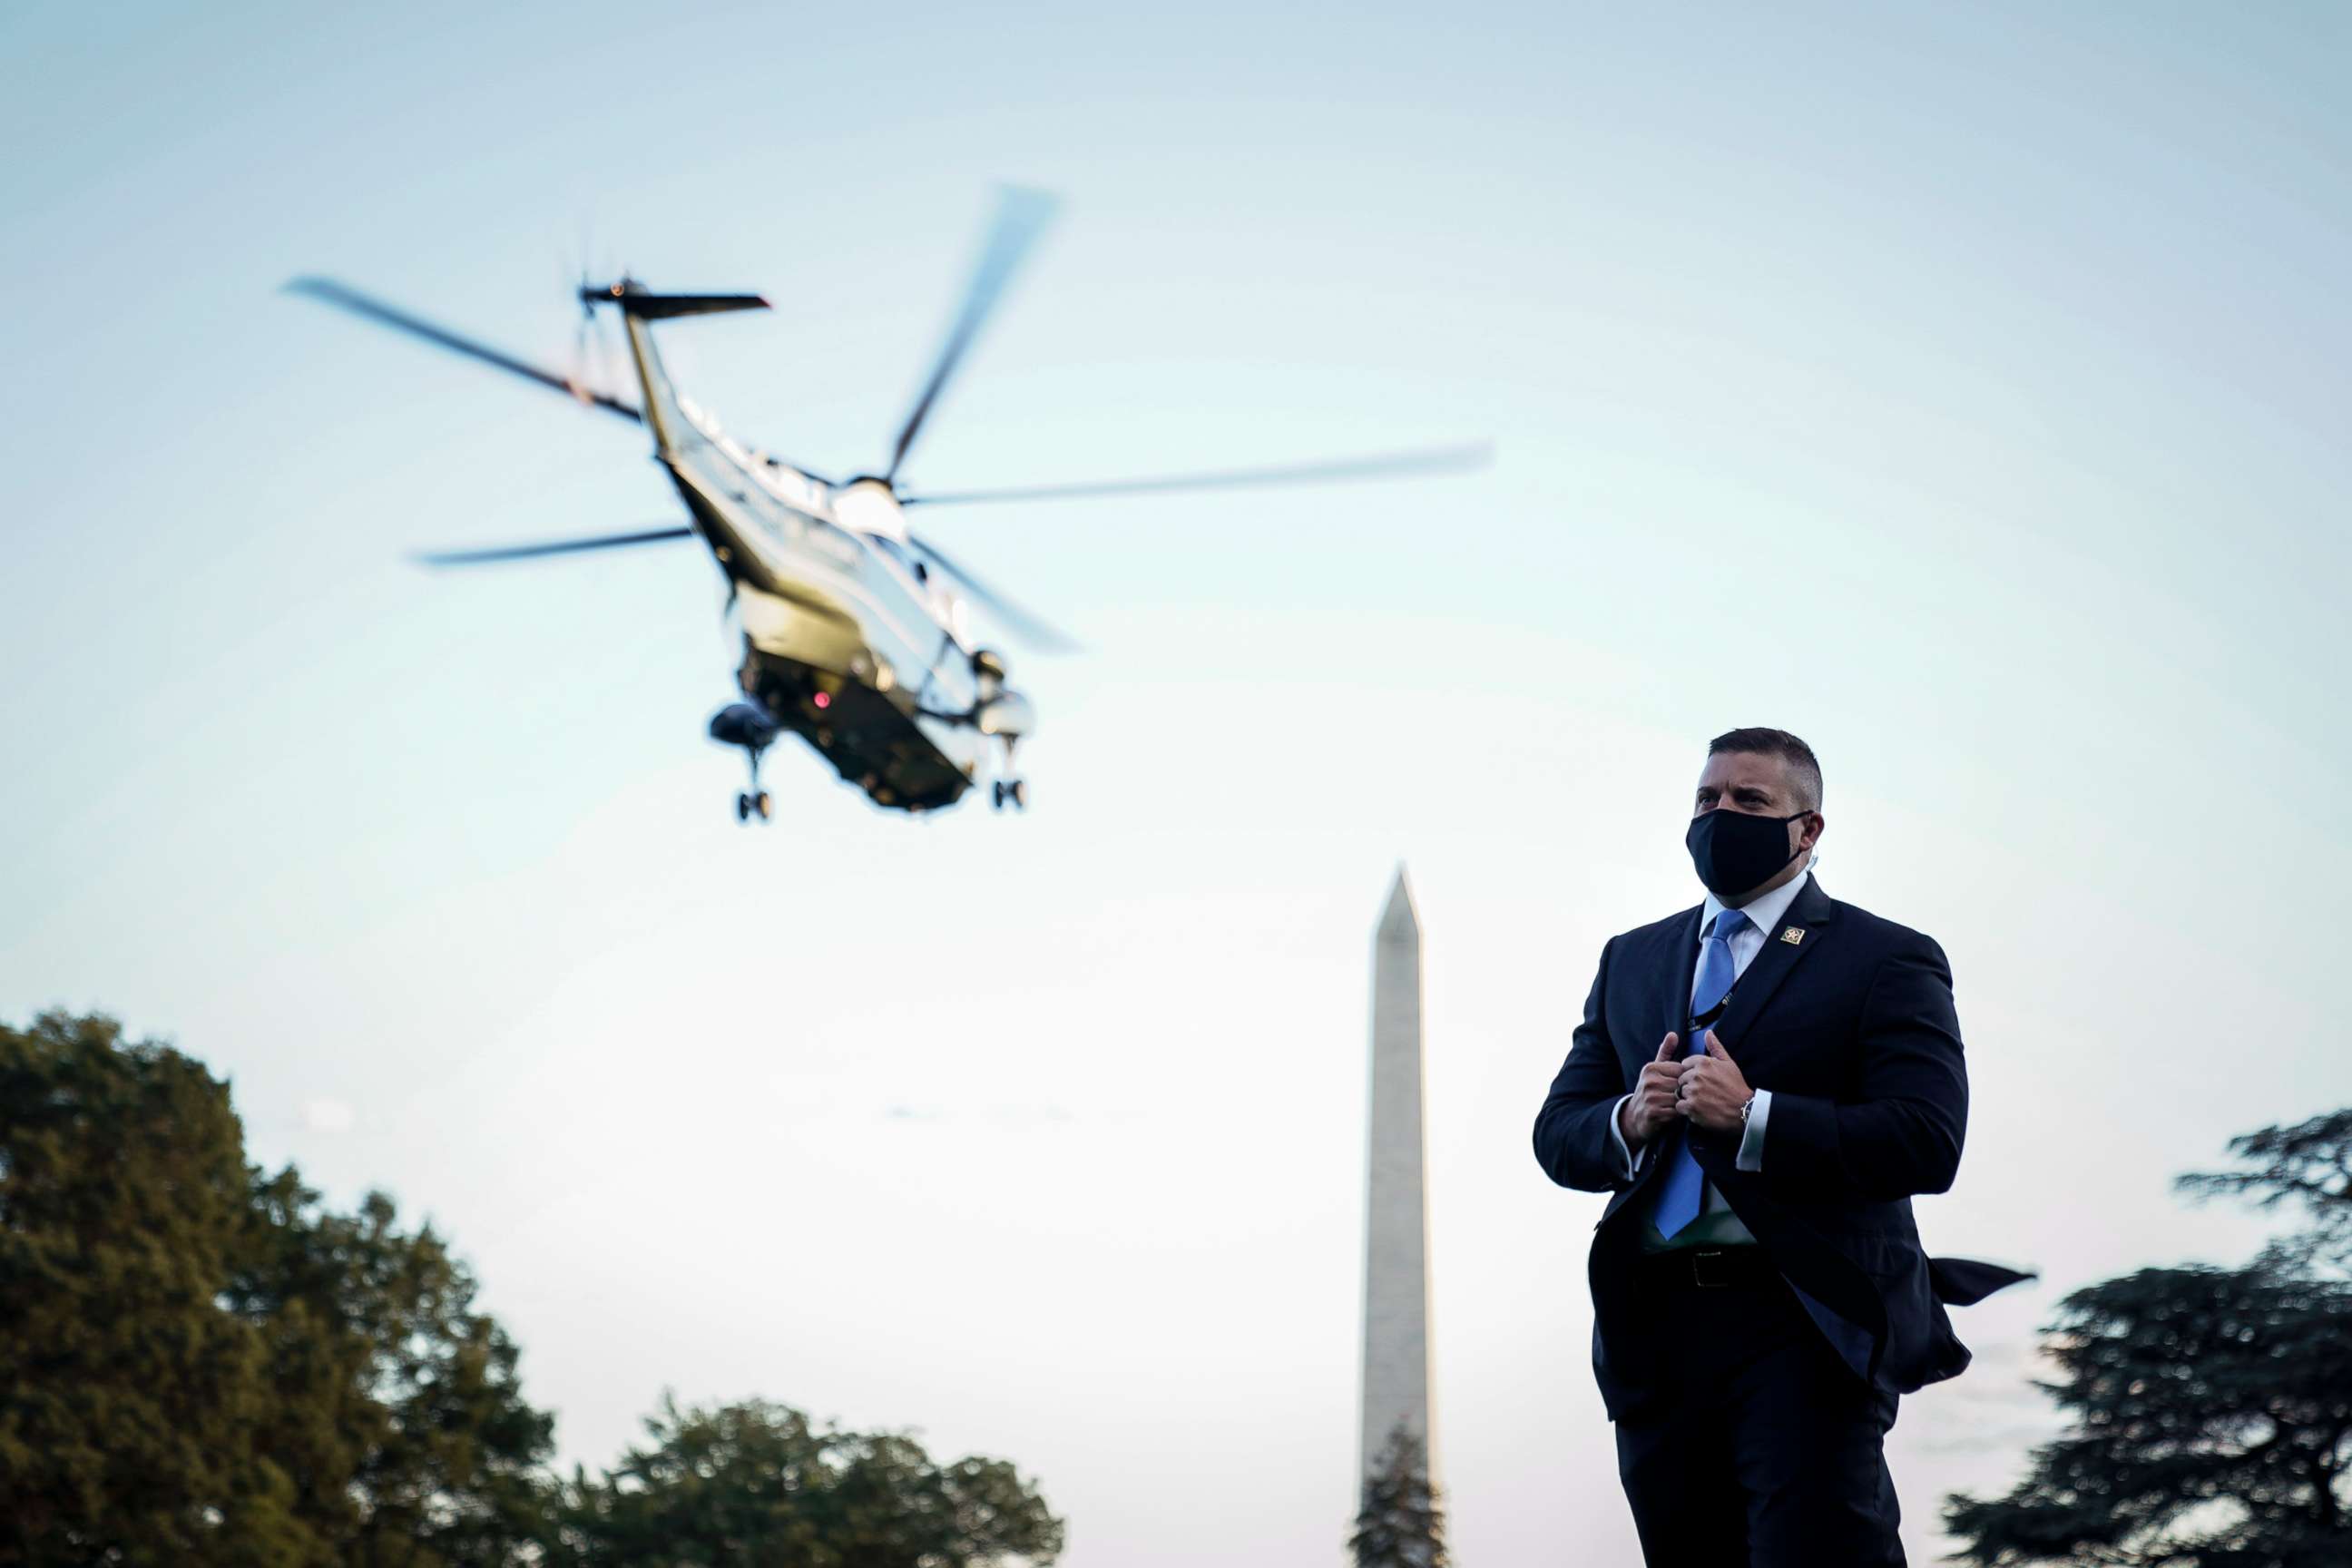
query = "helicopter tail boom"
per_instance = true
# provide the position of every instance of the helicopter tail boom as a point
(640, 307)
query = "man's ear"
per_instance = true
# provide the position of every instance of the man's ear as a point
(1812, 830)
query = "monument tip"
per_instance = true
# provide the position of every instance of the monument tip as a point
(1399, 919)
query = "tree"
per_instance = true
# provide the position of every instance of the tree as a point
(2212, 1407)
(399, 1408)
(132, 1409)
(1402, 1521)
(200, 1364)
(756, 1485)
(2306, 1166)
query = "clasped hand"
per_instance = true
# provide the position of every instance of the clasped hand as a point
(1706, 1089)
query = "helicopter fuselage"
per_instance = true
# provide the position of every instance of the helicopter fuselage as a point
(849, 641)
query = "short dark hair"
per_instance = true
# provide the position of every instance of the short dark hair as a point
(1804, 768)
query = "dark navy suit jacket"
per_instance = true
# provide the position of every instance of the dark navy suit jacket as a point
(1851, 1028)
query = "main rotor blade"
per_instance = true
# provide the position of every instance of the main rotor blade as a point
(1393, 465)
(550, 547)
(342, 298)
(1032, 629)
(1021, 217)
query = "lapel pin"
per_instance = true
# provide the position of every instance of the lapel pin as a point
(1794, 935)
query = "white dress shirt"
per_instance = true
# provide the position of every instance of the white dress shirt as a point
(1763, 915)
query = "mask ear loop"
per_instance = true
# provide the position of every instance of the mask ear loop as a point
(1784, 822)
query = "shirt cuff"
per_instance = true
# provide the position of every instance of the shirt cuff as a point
(1631, 1157)
(1751, 1140)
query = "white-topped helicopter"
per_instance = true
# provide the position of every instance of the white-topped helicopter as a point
(855, 633)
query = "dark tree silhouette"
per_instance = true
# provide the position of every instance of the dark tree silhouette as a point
(2306, 1166)
(2212, 1407)
(1401, 1522)
(756, 1483)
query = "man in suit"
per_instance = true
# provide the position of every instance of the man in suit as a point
(1761, 1084)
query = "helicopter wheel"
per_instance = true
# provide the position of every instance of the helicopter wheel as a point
(764, 806)
(996, 795)
(1019, 790)
(742, 808)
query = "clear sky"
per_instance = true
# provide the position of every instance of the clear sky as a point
(1964, 390)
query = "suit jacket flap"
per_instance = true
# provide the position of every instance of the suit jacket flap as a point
(1965, 1281)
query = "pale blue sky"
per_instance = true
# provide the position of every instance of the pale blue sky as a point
(1962, 389)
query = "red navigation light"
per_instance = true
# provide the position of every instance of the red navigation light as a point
(824, 700)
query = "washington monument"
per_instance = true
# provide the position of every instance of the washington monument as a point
(1396, 1229)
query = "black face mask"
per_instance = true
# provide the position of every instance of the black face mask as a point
(1735, 850)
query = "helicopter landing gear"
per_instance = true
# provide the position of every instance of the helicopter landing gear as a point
(1007, 786)
(754, 802)
(752, 729)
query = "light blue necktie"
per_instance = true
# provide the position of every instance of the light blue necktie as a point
(1683, 1185)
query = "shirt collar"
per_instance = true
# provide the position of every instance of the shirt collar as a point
(1767, 910)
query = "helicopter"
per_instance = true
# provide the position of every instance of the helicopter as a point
(857, 635)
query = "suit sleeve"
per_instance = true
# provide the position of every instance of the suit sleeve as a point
(1899, 1134)
(1574, 1143)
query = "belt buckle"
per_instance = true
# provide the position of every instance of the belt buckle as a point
(1705, 1272)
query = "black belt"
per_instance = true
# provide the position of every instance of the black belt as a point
(1708, 1267)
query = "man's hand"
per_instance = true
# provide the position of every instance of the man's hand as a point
(1651, 1110)
(1709, 1088)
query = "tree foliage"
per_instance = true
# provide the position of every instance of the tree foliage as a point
(200, 1364)
(397, 1405)
(2211, 1407)
(1401, 1522)
(133, 1411)
(756, 1485)
(2308, 1167)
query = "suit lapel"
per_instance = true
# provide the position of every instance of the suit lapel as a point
(1810, 917)
(1664, 982)
(1671, 982)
